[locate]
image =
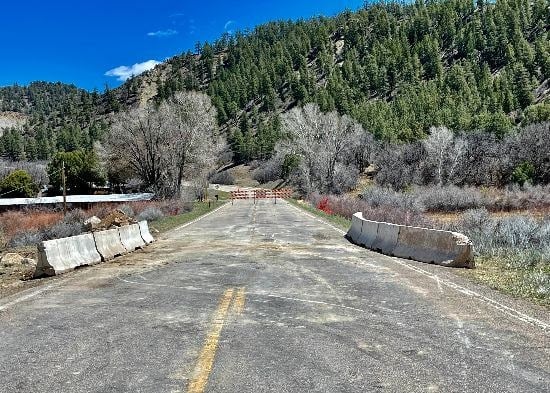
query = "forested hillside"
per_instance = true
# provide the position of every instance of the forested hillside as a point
(397, 69)
(59, 117)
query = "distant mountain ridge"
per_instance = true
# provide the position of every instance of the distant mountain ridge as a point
(397, 69)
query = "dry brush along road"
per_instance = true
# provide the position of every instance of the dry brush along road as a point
(265, 298)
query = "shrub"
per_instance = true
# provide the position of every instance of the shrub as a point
(376, 197)
(268, 171)
(323, 205)
(224, 177)
(127, 209)
(30, 220)
(523, 173)
(150, 214)
(346, 206)
(61, 230)
(26, 238)
(75, 216)
(449, 198)
(18, 184)
(175, 207)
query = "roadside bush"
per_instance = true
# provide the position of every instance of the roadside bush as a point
(18, 184)
(62, 229)
(451, 198)
(26, 238)
(346, 206)
(376, 197)
(225, 178)
(523, 173)
(345, 178)
(150, 214)
(16, 223)
(36, 169)
(520, 241)
(515, 197)
(75, 216)
(268, 171)
(127, 209)
(175, 207)
(448, 199)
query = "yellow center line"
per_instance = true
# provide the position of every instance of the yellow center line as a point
(206, 358)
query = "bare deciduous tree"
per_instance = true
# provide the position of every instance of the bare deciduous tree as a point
(164, 145)
(443, 153)
(325, 144)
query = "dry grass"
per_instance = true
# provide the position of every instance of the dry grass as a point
(31, 220)
(16, 223)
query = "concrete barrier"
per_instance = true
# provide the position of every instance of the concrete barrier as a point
(420, 244)
(369, 232)
(145, 234)
(62, 255)
(386, 238)
(108, 244)
(356, 224)
(130, 236)
(433, 246)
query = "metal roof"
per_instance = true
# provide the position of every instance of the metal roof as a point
(77, 199)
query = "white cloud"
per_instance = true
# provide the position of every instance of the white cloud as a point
(162, 33)
(123, 73)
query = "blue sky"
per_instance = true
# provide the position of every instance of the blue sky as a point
(81, 41)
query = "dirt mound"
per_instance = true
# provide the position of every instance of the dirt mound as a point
(116, 218)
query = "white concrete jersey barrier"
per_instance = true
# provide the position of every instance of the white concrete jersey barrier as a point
(63, 255)
(145, 234)
(432, 246)
(362, 232)
(369, 233)
(108, 244)
(130, 236)
(386, 238)
(356, 225)
(419, 244)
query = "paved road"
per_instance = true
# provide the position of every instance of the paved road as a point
(263, 298)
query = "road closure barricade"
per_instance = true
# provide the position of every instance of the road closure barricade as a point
(257, 194)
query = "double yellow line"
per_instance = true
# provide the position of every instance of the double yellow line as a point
(208, 353)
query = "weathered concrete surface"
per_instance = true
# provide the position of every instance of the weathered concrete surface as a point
(420, 244)
(319, 315)
(108, 244)
(386, 238)
(369, 233)
(145, 234)
(355, 230)
(130, 236)
(63, 255)
(432, 246)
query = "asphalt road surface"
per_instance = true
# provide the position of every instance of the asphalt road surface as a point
(264, 298)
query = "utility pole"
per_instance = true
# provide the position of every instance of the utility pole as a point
(64, 183)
